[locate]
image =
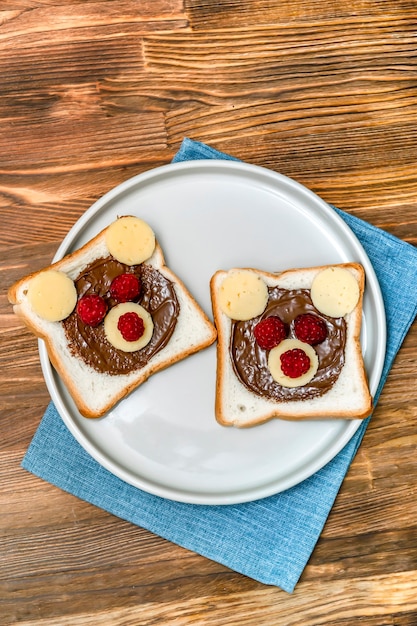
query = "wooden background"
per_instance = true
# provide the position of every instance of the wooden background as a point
(94, 92)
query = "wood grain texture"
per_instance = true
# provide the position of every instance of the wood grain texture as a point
(94, 92)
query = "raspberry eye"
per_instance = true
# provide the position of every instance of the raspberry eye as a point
(310, 328)
(269, 332)
(91, 309)
(125, 288)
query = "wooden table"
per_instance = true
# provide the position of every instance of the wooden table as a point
(94, 92)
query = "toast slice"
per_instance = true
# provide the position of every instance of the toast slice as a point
(97, 373)
(249, 390)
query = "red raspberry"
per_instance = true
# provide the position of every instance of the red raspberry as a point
(91, 309)
(310, 328)
(269, 332)
(125, 287)
(294, 363)
(131, 326)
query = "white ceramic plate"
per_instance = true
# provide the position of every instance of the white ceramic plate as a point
(164, 437)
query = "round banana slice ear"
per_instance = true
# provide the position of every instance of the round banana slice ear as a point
(52, 295)
(335, 291)
(130, 240)
(114, 335)
(274, 363)
(243, 295)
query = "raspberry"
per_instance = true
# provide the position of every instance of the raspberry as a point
(310, 328)
(269, 332)
(125, 287)
(91, 309)
(131, 326)
(294, 363)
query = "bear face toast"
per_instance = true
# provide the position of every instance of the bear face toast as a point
(111, 315)
(288, 344)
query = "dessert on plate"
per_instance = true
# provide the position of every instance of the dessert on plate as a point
(111, 314)
(288, 344)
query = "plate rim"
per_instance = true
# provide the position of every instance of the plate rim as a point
(187, 496)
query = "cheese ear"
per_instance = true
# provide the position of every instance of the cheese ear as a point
(94, 392)
(348, 398)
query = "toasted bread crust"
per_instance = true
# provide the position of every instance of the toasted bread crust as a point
(317, 408)
(69, 366)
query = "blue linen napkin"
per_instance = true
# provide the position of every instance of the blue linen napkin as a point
(269, 540)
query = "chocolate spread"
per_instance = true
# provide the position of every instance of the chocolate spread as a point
(250, 361)
(157, 297)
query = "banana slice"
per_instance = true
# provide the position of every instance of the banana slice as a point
(274, 363)
(243, 295)
(113, 334)
(130, 240)
(335, 291)
(52, 295)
